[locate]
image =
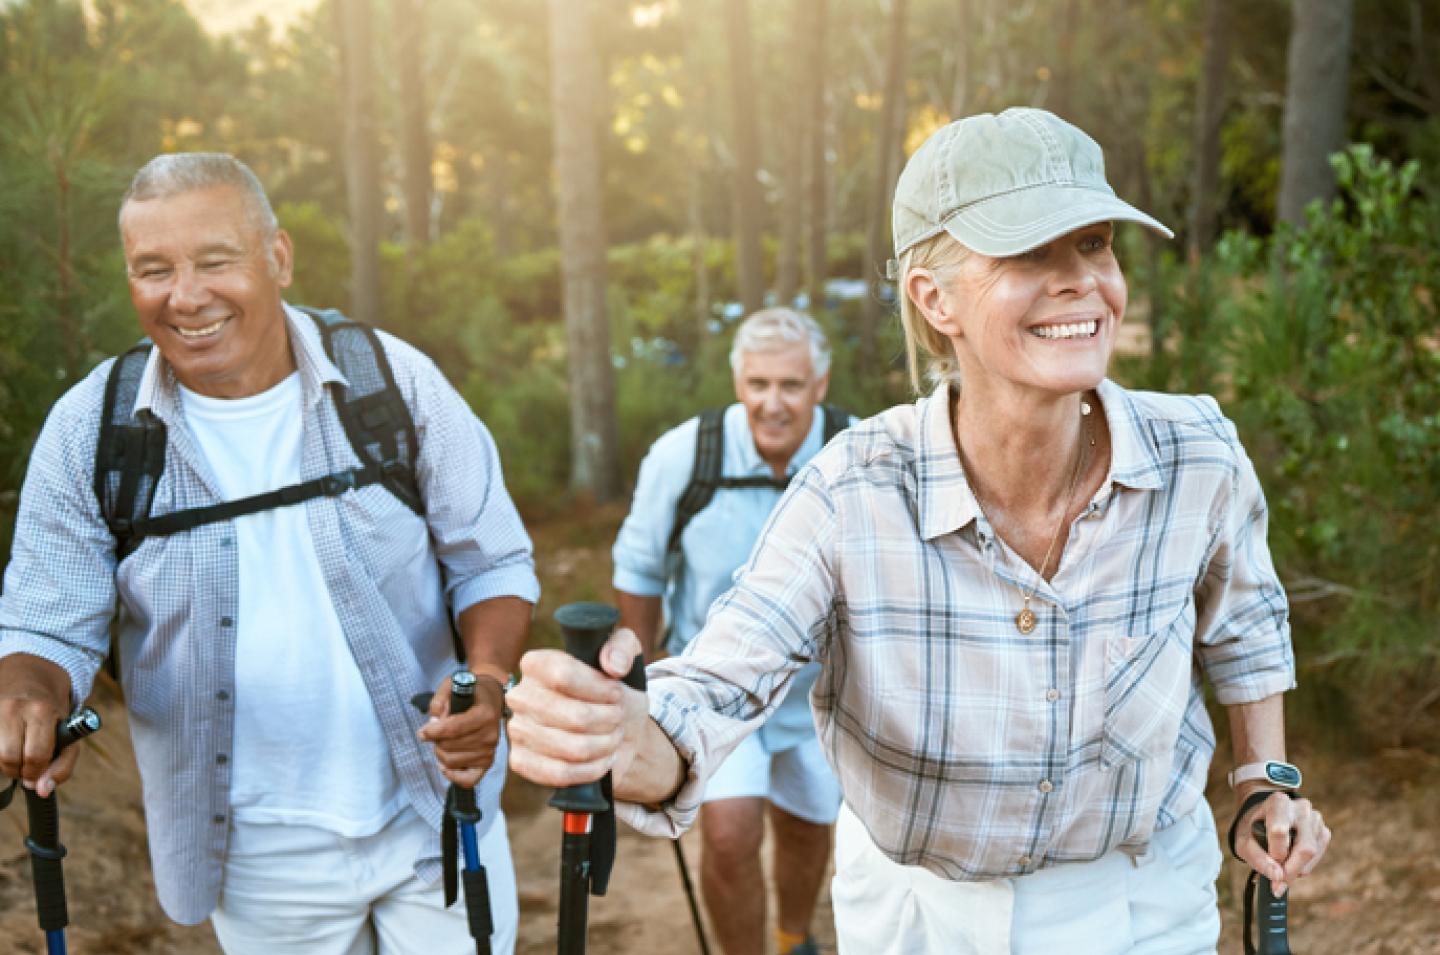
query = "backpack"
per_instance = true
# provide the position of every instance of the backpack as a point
(130, 456)
(705, 477)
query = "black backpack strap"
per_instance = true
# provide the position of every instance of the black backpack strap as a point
(704, 475)
(837, 419)
(130, 454)
(370, 406)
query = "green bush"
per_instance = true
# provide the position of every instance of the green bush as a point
(1323, 344)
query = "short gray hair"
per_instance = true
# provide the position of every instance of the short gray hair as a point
(773, 328)
(174, 174)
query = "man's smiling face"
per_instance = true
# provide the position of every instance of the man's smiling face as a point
(206, 283)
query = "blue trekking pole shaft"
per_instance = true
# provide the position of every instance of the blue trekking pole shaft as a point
(46, 852)
(467, 814)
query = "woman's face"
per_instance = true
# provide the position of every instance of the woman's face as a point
(1045, 320)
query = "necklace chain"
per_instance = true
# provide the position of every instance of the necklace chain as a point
(1025, 620)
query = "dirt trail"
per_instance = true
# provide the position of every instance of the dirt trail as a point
(1378, 893)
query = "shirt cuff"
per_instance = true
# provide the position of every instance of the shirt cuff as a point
(79, 663)
(634, 582)
(518, 580)
(677, 719)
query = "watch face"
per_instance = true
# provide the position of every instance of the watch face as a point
(1283, 774)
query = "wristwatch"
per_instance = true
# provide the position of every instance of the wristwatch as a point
(1280, 775)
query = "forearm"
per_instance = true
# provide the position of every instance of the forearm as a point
(642, 615)
(1257, 734)
(649, 769)
(494, 633)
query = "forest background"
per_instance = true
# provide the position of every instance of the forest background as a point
(705, 156)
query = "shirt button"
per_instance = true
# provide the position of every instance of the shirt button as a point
(222, 695)
(221, 758)
(1046, 786)
(227, 622)
(1025, 862)
(226, 541)
(1052, 695)
(217, 818)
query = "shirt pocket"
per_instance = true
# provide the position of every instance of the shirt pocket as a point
(1147, 686)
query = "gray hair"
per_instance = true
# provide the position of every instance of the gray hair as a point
(773, 328)
(174, 174)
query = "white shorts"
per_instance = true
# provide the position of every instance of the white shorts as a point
(298, 890)
(1161, 903)
(797, 780)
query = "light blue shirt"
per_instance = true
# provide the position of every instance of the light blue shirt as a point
(712, 547)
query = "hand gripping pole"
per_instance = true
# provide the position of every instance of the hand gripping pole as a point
(462, 815)
(43, 843)
(587, 848)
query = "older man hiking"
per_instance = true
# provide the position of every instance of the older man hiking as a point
(300, 523)
(705, 491)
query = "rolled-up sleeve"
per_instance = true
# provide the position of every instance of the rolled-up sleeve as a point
(59, 593)
(478, 535)
(758, 635)
(1242, 625)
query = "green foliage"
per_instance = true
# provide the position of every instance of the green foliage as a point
(1323, 340)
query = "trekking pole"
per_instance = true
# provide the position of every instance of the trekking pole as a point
(462, 815)
(587, 847)
(690, 897)
(44, 839)
(1270, 914)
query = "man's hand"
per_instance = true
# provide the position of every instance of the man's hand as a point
(1286, 859)
(571, 722)
(34, 698)
(465, 742)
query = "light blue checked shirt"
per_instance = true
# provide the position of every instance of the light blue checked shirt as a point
(961, 744)
(713, 545)
(391, 576)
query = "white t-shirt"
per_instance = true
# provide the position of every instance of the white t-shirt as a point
(308, 747)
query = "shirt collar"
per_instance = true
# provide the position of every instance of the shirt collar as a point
(946, 502)
(1134, 456)
(158, 392)
(749, 456)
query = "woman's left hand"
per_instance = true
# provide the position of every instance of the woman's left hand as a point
(1296, 840)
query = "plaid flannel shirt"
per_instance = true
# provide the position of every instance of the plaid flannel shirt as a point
(961, 744)
(392, 576)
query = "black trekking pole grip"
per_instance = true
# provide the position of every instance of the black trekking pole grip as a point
(43, 843)
(586, 627)
(1271, 915)
(462, 697)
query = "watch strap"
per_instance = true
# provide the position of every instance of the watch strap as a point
(1261, 770)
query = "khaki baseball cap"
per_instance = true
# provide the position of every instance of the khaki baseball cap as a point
(1005, 184)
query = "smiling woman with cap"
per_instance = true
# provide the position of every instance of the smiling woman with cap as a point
(1016, 587)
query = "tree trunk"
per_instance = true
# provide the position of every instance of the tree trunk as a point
(812, 55)
(1317, 83)
(749, 260)
(1064, 78)
(409, 18)
(887, 170)
(1209, 116)
(362, 157)
(594, 464)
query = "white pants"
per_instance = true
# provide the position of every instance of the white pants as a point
(296, 890)
(1161, 903)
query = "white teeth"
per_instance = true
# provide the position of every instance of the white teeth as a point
(201, 332)
(1071, 330)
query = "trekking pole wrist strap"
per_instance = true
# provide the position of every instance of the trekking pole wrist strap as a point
(1251, 801)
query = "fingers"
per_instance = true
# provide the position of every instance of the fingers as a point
(1296, 837)
(1312, 838)
(620, 652)
(58, 771)
(27, 739)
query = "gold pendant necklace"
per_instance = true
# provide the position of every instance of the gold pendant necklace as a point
(1025, 620)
